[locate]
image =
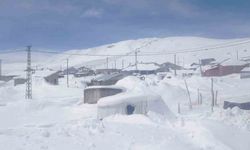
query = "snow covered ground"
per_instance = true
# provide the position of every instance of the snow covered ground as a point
(57, 119)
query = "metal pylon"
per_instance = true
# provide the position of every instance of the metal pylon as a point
(28, 94)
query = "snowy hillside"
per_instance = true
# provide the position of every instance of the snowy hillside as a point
(158, 50)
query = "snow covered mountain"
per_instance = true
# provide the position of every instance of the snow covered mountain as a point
(160, 50)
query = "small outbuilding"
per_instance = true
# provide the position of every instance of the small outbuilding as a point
(245, 73)
(94, 93)
(18, 81)
(6, 78)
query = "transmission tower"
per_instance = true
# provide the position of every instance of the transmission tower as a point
(28, 94)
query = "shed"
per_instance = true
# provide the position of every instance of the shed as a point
(6, 78)
(18, 81)
(94, 93)
(245, 73)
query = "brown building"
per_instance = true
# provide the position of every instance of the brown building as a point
(220, 70)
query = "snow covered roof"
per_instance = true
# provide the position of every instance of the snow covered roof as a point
(107, 87)
(126, 97)
(233, 62)
(136, 91)
(141, 66)
(246, 69)
(105, 77)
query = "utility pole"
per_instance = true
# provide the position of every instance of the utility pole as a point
(237, 54)
(115, 63)
(200, 67)
(67, 72)
(175, 65)
(107, 62)
(212, 93)
(136, 67)
(122, 63)
(28, 94)
(0, 67)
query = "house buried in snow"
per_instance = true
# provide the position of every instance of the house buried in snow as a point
(135, 99)
(128, 104)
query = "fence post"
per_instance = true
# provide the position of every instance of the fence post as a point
(212, 94)
(179, 108)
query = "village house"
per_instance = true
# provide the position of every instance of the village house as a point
(226, 68)
(142, 69)
(107, 71)
(83, 72)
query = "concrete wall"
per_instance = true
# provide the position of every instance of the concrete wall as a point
(92, 95)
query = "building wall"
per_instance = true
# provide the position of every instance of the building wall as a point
(19, 81)
(245, 74)
(223, 70)
(92, 95)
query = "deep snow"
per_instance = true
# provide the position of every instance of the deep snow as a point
(56, 117)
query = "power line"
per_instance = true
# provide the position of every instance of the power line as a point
(225, 45)
(12, 51)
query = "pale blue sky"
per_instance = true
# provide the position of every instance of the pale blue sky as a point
(70, 24)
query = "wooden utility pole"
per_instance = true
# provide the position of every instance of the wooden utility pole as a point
(216, 98)
(67, 72)
(0, 67)
(179, 108)
(136, 61)
(189, 97)
(175, 65)
(237, 54)
(115, 63)
(198, 93)
(122, 63)
(107, 62)
(200, 67)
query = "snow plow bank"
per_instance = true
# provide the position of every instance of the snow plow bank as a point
(129, 96)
